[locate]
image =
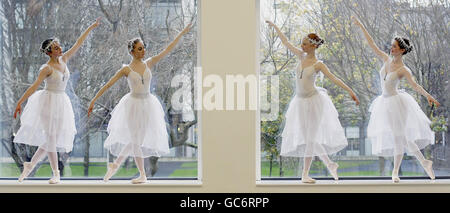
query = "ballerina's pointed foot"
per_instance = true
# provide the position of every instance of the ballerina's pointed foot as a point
(112, 169)
(428, 166)
(140, 179)
(27, 167)
(333, 170)
(395, 179)
(308, 179)
(55, 179)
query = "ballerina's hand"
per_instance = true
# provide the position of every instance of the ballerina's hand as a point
(187, 28)
(356, 21)
(91, 107)
(355, 98)
(97, 22)
(18, 110)
(270, 23)
(432, 101)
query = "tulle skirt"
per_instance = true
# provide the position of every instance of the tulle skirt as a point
(312, 127)
(398, 125)
(137, 127)
(48, 121)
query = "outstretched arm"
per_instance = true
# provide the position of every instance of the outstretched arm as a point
(369, 39)
(324, 69)
(42, 75)
(112, 81)
(407, 74)
(67, 55)
(153, 60)
(284, 40)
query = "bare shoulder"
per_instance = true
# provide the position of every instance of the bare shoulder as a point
(319, 65)
(384, 57)
(125, 70)
(149, 62)
(404, 71)
(45, 70)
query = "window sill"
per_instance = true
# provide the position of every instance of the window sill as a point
(344, 183)
(100, 183)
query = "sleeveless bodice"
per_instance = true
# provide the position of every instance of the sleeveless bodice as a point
(139, 84)
(389, 80)
(57, 81)
(306, 80)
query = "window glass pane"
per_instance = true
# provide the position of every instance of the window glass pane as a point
(348, 56)
(102, 54)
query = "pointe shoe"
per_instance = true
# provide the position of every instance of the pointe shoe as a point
(140, 179)
(395, 179)
(308, 180)
(27, 167)
(55, 179)
(428, 167)
(332, 167)
(112, 169)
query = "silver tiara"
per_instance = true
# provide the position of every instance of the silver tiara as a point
(314, 41)
(402, 41)
(49, 44)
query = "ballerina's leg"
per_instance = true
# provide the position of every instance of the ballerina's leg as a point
(28, 166)
(113, 167)
(53, 159)
(426, 164)
(332, 166)
(398, 157)
(307, 160)
(38, 156)
(139, 164)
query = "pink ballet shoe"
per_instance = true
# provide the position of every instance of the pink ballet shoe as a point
(27, 167)
(140, 179)
(332, 167)
(395, 179)
(112, 169)
(308, 180)
(428, 167)
(55, 179)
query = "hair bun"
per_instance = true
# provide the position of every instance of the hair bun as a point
(46, 45)
(410, 48)
(404, 43)
(132, 42)
(321, 42)
(315, 39)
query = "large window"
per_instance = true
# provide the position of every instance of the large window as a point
(25, 24)
(349, 57)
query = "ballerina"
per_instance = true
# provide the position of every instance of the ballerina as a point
(312, 125)
(137, 127)
(48, 120)
(397, 124)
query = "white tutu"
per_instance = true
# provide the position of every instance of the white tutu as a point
(137, 124)
(398, 125)
(312, 127)
(48, 121)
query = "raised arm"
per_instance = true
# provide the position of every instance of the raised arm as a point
(284, 40)
(45, 71)
(122, 72)
(69, 53)
(369, 39)
(324, 69)
(153, 60)
(409, 78)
